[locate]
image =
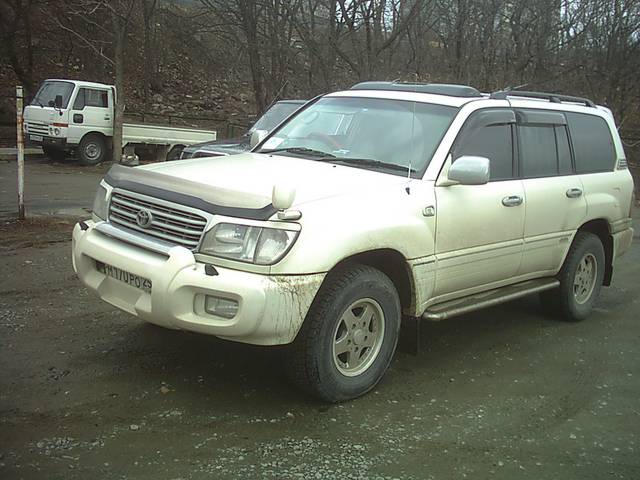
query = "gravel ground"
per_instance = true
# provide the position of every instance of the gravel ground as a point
(87, 391)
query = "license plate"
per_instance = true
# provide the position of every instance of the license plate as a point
(132, 279)
(35, 138)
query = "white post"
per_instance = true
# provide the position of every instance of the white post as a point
(20, 141)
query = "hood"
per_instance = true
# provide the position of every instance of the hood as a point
(246, 180)
(46, 115)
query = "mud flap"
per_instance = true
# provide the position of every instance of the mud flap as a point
(409, 341)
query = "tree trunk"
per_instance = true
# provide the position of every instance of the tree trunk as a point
(119, 31)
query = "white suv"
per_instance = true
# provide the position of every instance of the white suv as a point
(368, 208)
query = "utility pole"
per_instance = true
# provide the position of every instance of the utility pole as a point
(20, 145)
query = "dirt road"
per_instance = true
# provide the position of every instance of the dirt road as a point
(89, 392)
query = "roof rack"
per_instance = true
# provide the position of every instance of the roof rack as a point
(433, 88)
(552, 97)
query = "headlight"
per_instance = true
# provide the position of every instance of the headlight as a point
(56, 131)
(246, 243)
(101, 203)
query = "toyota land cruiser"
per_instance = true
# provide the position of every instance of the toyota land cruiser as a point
(366, 208)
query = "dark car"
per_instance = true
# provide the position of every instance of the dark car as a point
(230, 146)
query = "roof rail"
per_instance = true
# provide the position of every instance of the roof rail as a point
(433, 88)
(552, 97)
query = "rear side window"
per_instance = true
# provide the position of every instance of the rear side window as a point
(493, 142)
(592, 143)
(88, 97)
(544, 150)
(538, 152)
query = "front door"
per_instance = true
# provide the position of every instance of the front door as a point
(479, 228)
(92, 111)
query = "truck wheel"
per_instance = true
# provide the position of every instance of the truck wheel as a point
(580, 279)
(92, 149)
(348, 337)
(54, 154)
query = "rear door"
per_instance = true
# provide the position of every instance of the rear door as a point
(555, 201)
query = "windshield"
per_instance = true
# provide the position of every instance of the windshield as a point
(274, 116)
(381, 134)
(46, 96)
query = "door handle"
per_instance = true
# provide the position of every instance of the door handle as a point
(512, 201)
(574, 192)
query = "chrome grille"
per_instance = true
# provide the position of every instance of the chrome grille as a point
(37, 128)
(169, 222)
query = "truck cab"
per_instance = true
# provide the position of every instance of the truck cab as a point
(64, 112)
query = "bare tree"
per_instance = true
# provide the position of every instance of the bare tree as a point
(109, 22)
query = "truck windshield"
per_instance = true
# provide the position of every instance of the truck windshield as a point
(46, 95)
(274, 116)
(395, 136)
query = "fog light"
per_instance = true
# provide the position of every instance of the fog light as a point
(222, 307)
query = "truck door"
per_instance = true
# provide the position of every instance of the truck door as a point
(91, 112)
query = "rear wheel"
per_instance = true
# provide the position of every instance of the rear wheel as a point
(54, 154)
(580, 278)
(92, 149)
(349, 335)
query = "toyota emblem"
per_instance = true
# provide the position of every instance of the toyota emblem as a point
(144, 218)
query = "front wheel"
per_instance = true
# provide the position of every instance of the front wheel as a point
(349, 335)
(580, 278)
(92, 149)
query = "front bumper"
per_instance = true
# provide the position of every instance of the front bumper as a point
(46, 141)
(271, 308)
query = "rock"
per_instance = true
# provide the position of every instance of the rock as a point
(164, 390)
(134, 427)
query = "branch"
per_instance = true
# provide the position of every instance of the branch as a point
(86, 42)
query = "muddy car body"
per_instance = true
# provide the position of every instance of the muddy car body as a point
(367, 206)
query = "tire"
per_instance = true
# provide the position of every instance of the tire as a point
(92, 149)
(55, 154)
(580, 278)
(363, 353)
(174, 153)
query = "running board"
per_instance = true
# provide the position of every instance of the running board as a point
(477, 301)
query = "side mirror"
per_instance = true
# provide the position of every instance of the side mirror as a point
(468, 170)
(282, 196)
(58, 102)
(257, 137)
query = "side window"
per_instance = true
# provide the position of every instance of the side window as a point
(88, 97)
(96, 98)
(564, 152)
(538, 153)
(493, 142)
(592, 143)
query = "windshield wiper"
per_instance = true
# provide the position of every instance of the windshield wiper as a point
(366, 162)
(301, 151)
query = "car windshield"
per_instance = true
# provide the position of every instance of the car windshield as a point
(372, 133)
(274, 116)
(47, 93)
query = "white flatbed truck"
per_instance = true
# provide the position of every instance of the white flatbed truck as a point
(73, 116)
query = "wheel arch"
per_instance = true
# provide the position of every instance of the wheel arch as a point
(600, 227)
(393, 264)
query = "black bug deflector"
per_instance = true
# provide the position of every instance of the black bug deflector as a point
(214, 200)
